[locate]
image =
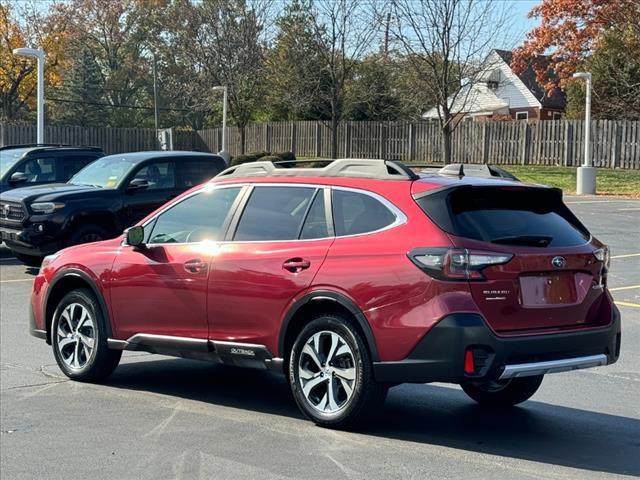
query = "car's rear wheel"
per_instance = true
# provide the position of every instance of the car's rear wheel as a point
(87, 233)
(503, 393)
(331, 374)
(79, 338)
(29, 260)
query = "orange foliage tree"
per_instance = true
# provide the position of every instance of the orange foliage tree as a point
(572, 29)
(18, 73)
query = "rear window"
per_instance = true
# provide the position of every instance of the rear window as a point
(511, 216)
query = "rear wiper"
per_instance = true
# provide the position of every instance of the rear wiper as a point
(528, 240)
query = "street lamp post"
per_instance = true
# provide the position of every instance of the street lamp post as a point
(223, 152)
(586, 183)
(39, 54)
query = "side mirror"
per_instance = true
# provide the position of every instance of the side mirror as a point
(18, 177)
(137, 184)
(135, 236)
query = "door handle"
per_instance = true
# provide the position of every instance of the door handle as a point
(195, 266)
(296, 265)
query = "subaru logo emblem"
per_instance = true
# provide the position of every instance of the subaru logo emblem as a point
(558, 262)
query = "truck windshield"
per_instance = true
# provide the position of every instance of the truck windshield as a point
(106, 172)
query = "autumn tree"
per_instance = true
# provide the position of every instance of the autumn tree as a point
(572, 29)
(47, 30)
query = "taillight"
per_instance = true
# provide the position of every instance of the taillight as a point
(456, 263)
(602, 255)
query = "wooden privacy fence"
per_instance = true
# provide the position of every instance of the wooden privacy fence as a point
(614, 143)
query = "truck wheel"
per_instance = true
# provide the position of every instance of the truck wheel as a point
(29, 260)
(503, 393)
(87, 233)
(79, 338)
(331, 373)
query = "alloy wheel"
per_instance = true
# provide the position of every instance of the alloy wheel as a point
(327, 371)
(76, 336)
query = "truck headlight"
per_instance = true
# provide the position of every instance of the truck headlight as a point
(46, 207)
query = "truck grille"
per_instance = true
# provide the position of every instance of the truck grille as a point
(12, 212)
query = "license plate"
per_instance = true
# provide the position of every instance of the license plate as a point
(548, 289)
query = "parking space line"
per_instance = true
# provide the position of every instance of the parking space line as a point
(630, 209)
(628, 287)
(626, 255)
(627, 304)
(17, 280)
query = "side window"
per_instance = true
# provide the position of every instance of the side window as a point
(39, 170)
(196, 219)
(355, 213)
(274, 213)
(159, 175)
(315, 225)
(73, 164)
(196, 171)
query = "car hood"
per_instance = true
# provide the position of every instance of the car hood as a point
(49, 193)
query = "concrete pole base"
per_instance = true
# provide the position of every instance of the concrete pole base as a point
(586, 184)
(225, 155)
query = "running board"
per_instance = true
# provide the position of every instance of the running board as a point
(552, 366)
(228, 353)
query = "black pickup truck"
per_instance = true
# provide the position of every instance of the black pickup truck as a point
(99, 202)
(38, 164)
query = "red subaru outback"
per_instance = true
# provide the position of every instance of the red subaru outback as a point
(349, 278)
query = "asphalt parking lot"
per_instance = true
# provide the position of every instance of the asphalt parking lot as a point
(159, 417)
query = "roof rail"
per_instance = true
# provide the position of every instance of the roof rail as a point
(344, 167)
(27, 145)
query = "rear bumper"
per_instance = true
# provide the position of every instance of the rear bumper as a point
(439, 356)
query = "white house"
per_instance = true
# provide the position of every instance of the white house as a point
(500, 93)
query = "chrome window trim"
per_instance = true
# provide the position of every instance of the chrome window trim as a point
(400, 217)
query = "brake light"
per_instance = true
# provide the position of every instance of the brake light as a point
(456, 263)
(603, 256)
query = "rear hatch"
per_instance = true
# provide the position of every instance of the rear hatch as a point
(549, 272)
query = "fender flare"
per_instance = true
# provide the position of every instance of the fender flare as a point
(341, 300)
(77, 273)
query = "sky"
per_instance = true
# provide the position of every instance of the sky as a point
(520, 9)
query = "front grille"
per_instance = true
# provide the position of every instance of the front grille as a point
(11, 212)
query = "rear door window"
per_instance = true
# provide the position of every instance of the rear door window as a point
(511, 216)
(356, 213)
(69, 165)
(198, 170)
(274, 213)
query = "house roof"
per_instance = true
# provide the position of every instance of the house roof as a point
(476, 99)
(555, 99)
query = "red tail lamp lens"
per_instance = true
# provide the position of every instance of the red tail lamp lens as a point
(469, 364)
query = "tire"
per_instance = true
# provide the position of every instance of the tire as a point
(29, 260)
(503, 394)
(87, 233)
(75, 357)
(335, 390)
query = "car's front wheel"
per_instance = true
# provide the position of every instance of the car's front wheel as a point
(503, 393)
(331, 374)
(79, 338)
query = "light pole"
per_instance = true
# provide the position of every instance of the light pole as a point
(223, 152)
(39, 54)
(586, 183)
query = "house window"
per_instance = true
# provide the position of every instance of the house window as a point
(522, 115)
(557, 115)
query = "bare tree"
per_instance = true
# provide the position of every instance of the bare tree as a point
(446, 43)
(222, 42)
(345, 31)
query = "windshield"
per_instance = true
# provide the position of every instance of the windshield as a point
(8, 158)
(106, 172)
